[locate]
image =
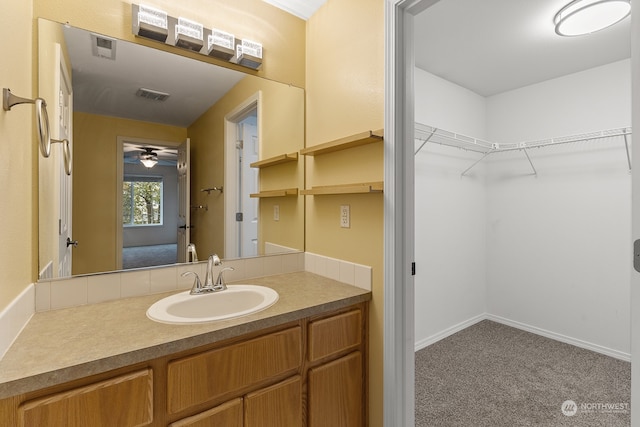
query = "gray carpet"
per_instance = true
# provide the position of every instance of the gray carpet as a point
(148, 256)
(493, 375)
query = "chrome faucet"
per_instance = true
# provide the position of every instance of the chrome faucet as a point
(209, 286)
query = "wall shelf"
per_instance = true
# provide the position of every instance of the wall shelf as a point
(357, 188)
(277, 160)
(276, 193)
(352, 141)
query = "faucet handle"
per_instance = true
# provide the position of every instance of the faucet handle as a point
(220, 280)
(197, 284)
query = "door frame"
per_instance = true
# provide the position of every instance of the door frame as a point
(253, 102)
(399, 320)
(120, 140)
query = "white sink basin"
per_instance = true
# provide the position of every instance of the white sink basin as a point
(235, 301)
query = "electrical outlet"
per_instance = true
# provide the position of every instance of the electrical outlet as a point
(276, 212)
(345, 216)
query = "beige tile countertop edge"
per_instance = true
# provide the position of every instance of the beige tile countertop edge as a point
(64, 345)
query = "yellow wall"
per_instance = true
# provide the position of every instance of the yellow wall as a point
(282, 131)
(18, 179)
(345, 96)
(94, 184)
(281, 34)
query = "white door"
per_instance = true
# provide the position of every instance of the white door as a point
(63, 184)
(247, 184)
(184, 203)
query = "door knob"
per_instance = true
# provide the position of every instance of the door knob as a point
(73, 243)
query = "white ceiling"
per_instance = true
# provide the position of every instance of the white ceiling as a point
(303, 9)
(492, 46)
(106, 87)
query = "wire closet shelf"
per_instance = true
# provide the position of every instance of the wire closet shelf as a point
(429, 134)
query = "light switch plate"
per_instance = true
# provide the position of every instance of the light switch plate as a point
(345, 216)
(276, 212)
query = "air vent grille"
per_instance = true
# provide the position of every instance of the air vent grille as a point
(152, 94)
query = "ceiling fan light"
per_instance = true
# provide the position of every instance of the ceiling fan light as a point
(149, 163)
(588, 16)
(148, 158)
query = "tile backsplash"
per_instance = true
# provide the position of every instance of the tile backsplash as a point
(81, 290)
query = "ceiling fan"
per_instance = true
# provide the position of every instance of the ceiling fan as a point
(148, 157)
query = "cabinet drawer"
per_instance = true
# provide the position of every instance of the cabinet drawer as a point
(334, 334)
(276, 406)
(126, 400)
(206, 376)
(228, 414)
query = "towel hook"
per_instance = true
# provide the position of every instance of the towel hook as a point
(42, 119)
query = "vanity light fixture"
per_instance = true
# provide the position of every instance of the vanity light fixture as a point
(249, 54)
(189, 34)
(148, 158)
(153, 23)
(221, 44)
(588, 16)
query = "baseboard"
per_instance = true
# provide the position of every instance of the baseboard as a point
(16, 316)
(419, 345)
(562, 338)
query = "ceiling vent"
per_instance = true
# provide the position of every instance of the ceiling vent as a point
(154, 95)
(103, 47)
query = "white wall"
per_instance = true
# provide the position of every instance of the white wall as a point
(156, 235)
(559, 242)
(450, 213)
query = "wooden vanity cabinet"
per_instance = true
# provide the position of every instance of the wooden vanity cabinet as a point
(309, 372)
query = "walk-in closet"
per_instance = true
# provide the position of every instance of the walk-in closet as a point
(522, 177)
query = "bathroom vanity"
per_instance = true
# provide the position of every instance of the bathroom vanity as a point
(301, 362)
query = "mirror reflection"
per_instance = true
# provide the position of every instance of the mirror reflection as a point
(162, 146)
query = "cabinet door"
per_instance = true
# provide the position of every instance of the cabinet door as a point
(228, 415)
(121, 401)
(275, 406)
(336, 393)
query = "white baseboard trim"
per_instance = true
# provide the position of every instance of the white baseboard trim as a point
(16, 316)
(419, 345)
(562, 338)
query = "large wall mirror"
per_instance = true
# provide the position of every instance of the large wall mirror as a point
(197, 126)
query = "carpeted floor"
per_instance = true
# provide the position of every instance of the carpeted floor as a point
(493, 375)
(148, 256)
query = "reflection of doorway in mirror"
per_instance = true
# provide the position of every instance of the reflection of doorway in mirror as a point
(150, 207)
(242, 139)
(247, 149)
(63, 183)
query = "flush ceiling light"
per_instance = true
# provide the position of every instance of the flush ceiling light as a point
(148, 158)
(588, 16)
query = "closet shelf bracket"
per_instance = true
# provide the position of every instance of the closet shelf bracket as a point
(425, 141)
(626, 147)
(526, 153)
(478, 161)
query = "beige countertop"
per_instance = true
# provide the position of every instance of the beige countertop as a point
(64, 345)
